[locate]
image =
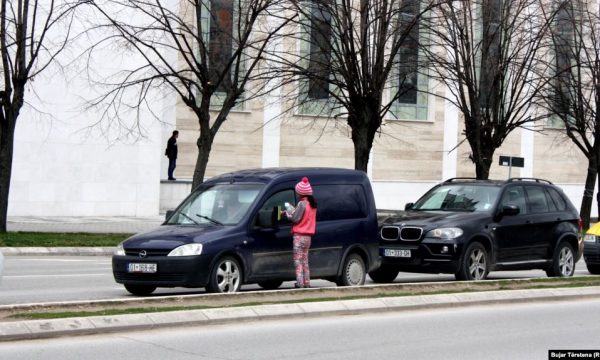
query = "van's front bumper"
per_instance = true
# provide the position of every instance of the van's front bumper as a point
(177, 271)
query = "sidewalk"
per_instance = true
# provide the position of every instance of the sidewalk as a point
(37, 329)
(85, 224)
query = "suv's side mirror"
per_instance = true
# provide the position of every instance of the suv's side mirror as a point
(509, 210)
(408, 206)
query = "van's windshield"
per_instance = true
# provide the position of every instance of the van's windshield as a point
(469, 197)
(220, 204)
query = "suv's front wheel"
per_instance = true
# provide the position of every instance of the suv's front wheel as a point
(475, 263)
(563, 261)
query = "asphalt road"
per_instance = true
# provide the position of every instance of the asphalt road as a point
(29, 279)
(513, 331)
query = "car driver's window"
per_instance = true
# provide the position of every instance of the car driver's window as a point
(515, 196)
(278, 200)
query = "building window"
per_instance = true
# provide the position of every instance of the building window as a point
(220, 45)
(411, 82)
(316, 49)
(409, 53)
(320, 52)
(563, 32)
(563, 42)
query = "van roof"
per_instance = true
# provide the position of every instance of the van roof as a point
(288, 173)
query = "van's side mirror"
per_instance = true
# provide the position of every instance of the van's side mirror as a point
(267, 218)
(408, 206)
(169, 214)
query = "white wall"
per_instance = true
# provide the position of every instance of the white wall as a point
(60, 171)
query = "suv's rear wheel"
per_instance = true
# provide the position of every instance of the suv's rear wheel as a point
(226, 276)
(563, 262)
(593, 269)
(383, 275)
(354, 271)
(140, 290)
(475, 263)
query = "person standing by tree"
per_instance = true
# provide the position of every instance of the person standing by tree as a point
(171, 153)
(304, 218)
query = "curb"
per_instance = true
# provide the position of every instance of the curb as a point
(58, 251)
(38, 329)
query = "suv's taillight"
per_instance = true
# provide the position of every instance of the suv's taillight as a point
(580, 223)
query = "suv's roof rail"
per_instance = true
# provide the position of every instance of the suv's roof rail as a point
(529, 179)
(463, 179)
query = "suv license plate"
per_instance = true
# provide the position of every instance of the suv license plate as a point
(396, 253)
(141, 268)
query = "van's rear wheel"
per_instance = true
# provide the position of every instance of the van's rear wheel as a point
(270, 284)
(226, 276)
(354, 271)
(384, 275)
(140, 290)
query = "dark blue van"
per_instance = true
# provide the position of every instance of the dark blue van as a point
(229, 232)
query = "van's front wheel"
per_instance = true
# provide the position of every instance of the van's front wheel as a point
(226, 276)
(354, 271)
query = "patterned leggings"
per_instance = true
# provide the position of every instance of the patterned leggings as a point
(301, 246)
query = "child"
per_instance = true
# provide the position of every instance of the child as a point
(304, 219)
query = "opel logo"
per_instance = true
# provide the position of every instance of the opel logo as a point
(143, 254)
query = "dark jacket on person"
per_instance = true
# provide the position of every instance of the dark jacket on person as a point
(171, 151)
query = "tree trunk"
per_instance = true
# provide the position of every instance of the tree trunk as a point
(362, 137)
(204, 144)
(483, 162)
(7, 138)
(588, 192)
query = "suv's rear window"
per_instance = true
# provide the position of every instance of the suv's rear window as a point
(559, 202)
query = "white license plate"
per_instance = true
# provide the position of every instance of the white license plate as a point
(396, 253)
(141, 268)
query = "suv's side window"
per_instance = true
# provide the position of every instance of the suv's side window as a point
(279, 199)
(537, 199)
(558, 200)
(515, 195)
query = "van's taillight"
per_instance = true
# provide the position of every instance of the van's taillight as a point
(580, 223)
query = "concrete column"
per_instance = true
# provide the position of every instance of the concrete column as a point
(449, 163)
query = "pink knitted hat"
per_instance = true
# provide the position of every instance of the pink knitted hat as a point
(303, 187)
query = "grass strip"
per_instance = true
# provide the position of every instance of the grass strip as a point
(39, 239)
(438, 289)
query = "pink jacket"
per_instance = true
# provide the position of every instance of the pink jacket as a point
(307, 224)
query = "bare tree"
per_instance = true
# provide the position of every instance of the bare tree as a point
(357, 59)
(572, 97)
(493, 67)
(32, 35)
(220, 45)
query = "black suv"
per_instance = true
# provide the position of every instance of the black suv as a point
(470, 227)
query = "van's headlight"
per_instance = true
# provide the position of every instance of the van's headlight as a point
(589, 238)
(446, 233)
(187, 250)
(119, 250)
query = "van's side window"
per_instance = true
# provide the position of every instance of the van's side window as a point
(336, 202)
(279, 199)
